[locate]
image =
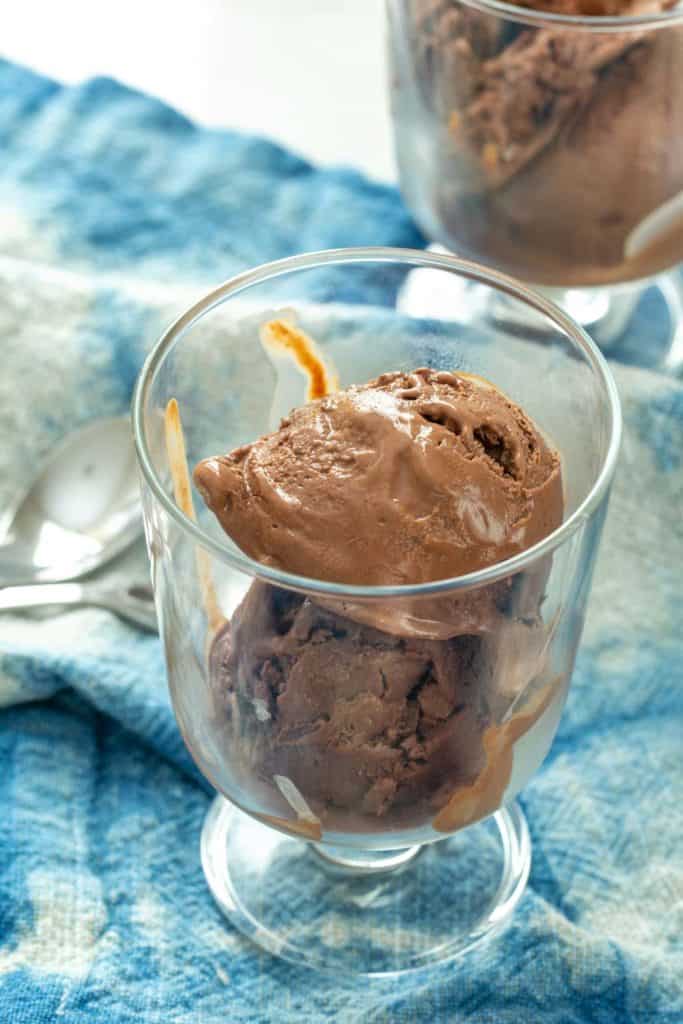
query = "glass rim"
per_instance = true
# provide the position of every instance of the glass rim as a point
(584, 22)
(370, 254)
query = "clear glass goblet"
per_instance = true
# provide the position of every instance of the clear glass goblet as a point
(337, 840)
(548, 144)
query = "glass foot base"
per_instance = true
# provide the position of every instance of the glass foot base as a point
(365, 913)
(639, 323)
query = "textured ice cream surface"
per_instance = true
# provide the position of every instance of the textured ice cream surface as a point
(527, 93)
(361, 722)
(373, 731)
(410, 478)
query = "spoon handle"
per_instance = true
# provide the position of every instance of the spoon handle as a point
(134, 603)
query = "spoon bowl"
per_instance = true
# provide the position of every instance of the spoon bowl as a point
(81, 511)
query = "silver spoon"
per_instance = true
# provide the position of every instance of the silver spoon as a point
(135, 603)
(81, 511)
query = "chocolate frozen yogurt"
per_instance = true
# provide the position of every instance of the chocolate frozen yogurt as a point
(542, 148)
(379, 715)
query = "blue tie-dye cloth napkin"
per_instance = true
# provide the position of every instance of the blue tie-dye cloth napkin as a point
(114, 213)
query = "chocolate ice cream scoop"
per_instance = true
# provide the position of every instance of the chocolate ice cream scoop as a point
(528, 92)
(367, 729)
(543, 145)
(362, 723)
(413, 477)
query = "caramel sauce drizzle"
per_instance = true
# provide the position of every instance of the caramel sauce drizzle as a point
(303, 827)
(279, 334)
(182, 490)
(485, 795)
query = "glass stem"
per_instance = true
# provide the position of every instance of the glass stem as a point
(344, 861)
(604, 312)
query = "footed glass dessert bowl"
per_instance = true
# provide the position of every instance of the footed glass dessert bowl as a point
(371, 538)
(544, 139)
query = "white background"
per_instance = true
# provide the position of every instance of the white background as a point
(310, 73)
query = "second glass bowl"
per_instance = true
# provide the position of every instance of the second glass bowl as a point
(547, 144)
